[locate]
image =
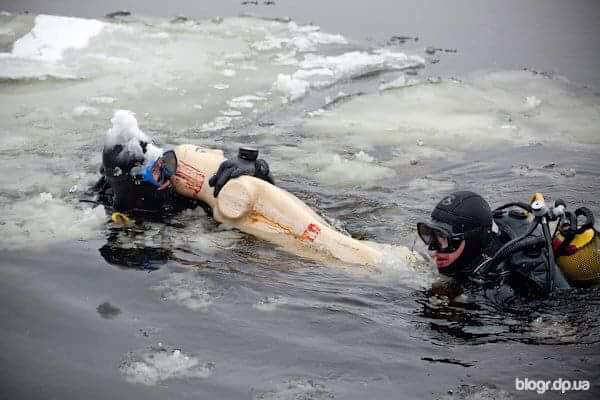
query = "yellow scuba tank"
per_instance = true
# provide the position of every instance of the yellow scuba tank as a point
(577, 249)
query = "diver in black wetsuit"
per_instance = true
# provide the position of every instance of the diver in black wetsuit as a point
(130, 184)
(502, 252)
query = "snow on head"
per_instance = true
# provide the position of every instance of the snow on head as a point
(125, 132)
(52, 35)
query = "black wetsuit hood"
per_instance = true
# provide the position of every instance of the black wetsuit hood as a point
(467, 212)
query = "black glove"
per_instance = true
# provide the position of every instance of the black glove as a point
(244, 164)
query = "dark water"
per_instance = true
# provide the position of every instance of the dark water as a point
(263, 324)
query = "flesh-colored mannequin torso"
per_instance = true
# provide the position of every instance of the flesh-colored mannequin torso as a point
(270, 213)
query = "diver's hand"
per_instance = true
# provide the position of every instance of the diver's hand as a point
(237, 167)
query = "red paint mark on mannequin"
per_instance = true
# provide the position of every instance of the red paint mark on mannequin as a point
(192, 178)
(311, 232)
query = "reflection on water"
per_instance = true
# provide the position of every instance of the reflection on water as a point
(567, 317)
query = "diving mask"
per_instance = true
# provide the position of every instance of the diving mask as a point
(159, 172)
(439, 236)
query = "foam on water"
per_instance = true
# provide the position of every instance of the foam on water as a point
(160, 364)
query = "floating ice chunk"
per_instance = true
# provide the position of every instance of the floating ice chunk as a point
(305, 74)
(532, 102)
(16, 68)
(270, 303)
(109, 59)
(229, 73)
(248, 67)
(554, 328)
(311, 41)
(269, 43)
(187, 289)
(292, 88)
(51, 36)
(244, 101)
(316, 113)
(339, 171)
(568, 172)
(430, 185)
(197, 107)
(356, 63)
(399, 82)
(298, 388)
(221, 86)
(161, 364)
(362, 156)
(37, 222)
(294, 27)
(217, 124)
(157, 35)
(235, 56)
(45, 197)
(102, 100)
(85, 110)
(286, 58)
(231, 113)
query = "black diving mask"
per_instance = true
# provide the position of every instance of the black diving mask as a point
(440, 237)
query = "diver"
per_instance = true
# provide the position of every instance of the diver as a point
(510, 251)
(139, 178)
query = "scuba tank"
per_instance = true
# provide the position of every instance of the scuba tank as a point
(527, 256)
(577, 248)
